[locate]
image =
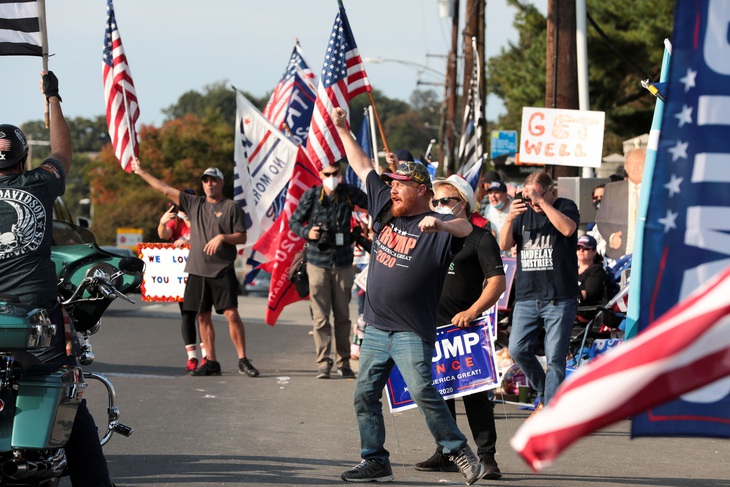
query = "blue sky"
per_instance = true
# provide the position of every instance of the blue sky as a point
(174, 46)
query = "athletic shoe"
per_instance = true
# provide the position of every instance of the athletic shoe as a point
(346, 372)
(369, 471)
(324, 369)
(203, 359)
(192, 364)
(471, 468)
(437, 463)
(245, 367)
(491, 469)
(210, 367)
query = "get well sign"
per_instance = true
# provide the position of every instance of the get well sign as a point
(561, 137)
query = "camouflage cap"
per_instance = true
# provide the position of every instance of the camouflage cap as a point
(409, 171)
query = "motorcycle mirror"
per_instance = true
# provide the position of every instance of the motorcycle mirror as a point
(131, 265)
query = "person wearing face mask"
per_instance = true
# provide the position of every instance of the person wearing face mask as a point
(473, 284)
(499, 204)
(323, 219)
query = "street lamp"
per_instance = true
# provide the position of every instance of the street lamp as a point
(421, 68)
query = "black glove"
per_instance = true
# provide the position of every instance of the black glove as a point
(50, 86)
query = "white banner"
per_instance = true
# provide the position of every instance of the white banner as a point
(561, 137)
(164, 276)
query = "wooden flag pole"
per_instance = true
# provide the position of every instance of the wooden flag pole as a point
(44, 51)
(377, 119)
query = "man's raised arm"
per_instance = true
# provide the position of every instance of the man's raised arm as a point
(358, 160)
(166, 189)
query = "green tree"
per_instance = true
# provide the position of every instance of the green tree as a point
(177, 153)
(636, 28)
(216, 99)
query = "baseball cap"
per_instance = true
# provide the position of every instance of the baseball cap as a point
(587, 241)
(461, 185)
(214, 172)
(497, 186)
(409, 171)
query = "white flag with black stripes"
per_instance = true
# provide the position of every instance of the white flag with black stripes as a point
(20, 28)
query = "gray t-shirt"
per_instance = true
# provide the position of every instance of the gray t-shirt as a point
(26, 232)
(208, 220)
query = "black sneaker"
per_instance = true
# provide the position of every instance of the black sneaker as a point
(369, 471)
(210, 367)
(323, 372)
(246, 367)
(437, 463)
(491, 469)
(471, 468)
(346, 372)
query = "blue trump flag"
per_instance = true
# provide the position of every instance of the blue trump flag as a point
(686, 237)
(363, 139)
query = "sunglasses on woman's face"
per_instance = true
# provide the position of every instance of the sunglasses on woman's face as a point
(330, 174)
(443, 201)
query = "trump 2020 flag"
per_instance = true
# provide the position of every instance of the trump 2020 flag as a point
(122, 110)
(279, 243)
(343, 77)
(686, 349)
(264, 162)
(686, 236)
(20, 28)
(292, 102)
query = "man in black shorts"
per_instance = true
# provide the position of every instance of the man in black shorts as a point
(216, 227)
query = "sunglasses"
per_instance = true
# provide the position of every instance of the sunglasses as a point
(444, 201)
(585, 248)
(330, 174)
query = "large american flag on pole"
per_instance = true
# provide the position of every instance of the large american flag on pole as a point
(20, 28)
(122, 110)
(343, 77)
(688, 348)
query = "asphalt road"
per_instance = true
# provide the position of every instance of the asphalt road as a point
(287, 428)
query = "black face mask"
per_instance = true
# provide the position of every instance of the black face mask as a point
(597, 204)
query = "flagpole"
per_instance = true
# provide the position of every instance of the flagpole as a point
(132, 130)
(373, 139)
(377, 119)
(44, 52)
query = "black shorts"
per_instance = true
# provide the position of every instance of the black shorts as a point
(202, 293)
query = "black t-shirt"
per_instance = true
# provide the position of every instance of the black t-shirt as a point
(406, 270)
(26, 232)
(547, 266)
(478, 260)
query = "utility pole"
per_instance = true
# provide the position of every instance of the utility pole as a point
(448, 128)
(561, 90)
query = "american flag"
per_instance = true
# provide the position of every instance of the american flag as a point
(296, 71)
(687, 349)
(20, 31)
(471, 148)
(122, 110)
(343, 78)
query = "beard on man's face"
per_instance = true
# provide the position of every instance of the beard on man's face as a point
(404, 202)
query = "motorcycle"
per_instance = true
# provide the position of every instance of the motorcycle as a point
(38, 401)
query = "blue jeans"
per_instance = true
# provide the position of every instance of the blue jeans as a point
(528, 318)
(379, 352)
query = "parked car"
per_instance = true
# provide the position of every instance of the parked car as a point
(258, 286)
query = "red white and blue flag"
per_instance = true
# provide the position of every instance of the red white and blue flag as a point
(122, 110)
(343, 77)
(292, 102)
(686, 238)
(688, 348)
(20, 28)
(279, 243)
